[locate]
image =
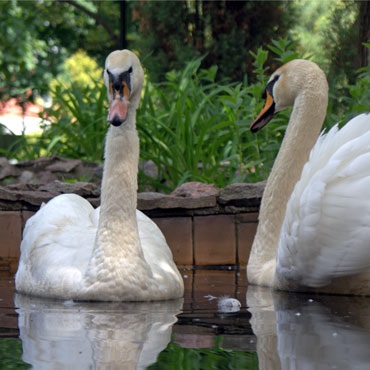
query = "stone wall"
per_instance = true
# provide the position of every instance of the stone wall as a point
(204, 226)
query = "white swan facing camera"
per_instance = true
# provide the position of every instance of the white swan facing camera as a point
(112, 253)
(314, 221)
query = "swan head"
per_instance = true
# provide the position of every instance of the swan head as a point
(294, 78)
(123, 77)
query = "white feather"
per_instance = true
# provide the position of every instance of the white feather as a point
(326, 231)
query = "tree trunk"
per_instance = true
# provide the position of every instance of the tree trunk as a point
(123, 25)
(364, 31)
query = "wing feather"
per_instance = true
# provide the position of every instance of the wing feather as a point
(326, 231)
(57, 242)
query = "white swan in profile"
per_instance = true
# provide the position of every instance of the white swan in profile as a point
(113, 253)
(314, 222)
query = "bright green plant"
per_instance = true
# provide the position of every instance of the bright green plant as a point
(192, 127)
(189, 126)
(196, 129)
(79, 69)
(73, 127)
(77, 122)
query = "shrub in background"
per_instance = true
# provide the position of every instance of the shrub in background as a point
(195, 128)
(77, 122)
(191, 126)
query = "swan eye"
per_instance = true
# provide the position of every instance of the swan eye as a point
(130, 70)
(270, 87)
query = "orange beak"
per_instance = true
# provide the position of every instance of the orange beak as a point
(118, 104)
(265, 115)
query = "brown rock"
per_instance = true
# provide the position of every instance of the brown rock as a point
(63, 165)
(191, 195)
(195, 189)
(36, 165)
(242, 194)
(18, 196)
(26, 177)
(149, 200)
(84, 189)
(7, 170)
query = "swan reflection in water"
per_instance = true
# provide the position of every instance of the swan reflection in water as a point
(81, 335)
(294, 332)
(310, 332)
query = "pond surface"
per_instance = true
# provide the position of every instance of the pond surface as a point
(269, 331)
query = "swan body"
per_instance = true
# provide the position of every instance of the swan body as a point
(314, 222)
(113, 253)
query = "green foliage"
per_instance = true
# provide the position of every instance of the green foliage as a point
(163, 40)
(11, 355)
(37, 36)
(197, 129)
(354, 99)
(74, 126)
(78, 69)
(331, 32)
(77, 122)
(174, 32)
(312, 21)
(340, 41)
(193, 127)
(359, 99)
(285, 50)
(174, 357)
(194, 123)
(189, 126)
(20, 50)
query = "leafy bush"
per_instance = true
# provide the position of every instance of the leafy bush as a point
(77, 122)
(191, 126)
(73, 127)
(197, 129)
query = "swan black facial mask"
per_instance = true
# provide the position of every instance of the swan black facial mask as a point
(119, 95)
(268, 109)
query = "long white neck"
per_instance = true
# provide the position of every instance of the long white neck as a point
(117, 251)
(118, 230)
(119, 184)
(304, 126)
